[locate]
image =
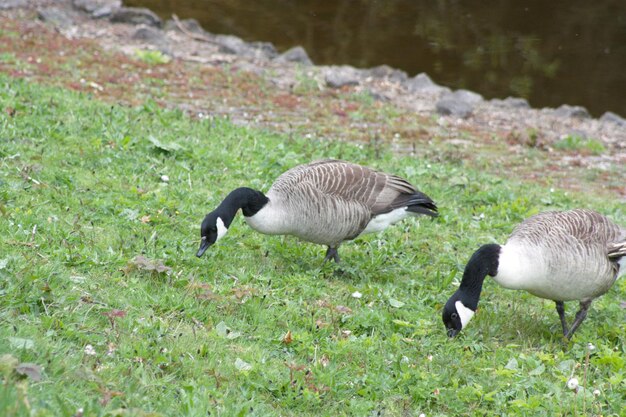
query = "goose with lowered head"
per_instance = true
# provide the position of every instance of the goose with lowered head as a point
(556, 255)
(324, 202)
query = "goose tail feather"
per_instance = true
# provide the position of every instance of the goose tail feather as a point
(617, 250)
(426, 207)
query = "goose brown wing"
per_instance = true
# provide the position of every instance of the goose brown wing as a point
(377, 191)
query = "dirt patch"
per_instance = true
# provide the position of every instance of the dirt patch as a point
(209, 77)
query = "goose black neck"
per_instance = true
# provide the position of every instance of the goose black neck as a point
(482, 263)
(248, 200)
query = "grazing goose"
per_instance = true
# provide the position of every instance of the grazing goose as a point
(324, 202)
(556, 255)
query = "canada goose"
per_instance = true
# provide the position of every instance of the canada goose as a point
(556, 255)
(324, 202)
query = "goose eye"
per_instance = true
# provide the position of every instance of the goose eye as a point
(454, 316)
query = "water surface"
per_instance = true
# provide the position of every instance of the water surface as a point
(550, 52)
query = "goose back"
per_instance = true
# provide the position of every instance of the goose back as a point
(561, 255)
(329, 201)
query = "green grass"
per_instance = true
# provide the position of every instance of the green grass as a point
(580, 144)
(259, 326)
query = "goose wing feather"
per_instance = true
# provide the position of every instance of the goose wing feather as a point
(375, 191)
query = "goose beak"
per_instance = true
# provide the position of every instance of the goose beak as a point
(204, 245)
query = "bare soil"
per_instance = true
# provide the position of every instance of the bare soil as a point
(99, 57)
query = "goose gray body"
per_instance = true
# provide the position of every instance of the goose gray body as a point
(327, 202)
(559, 255)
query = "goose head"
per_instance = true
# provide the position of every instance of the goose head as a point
(456, 315)
(460, 308)
(212, 229)
(216, 223)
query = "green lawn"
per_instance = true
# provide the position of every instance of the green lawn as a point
(104, 306)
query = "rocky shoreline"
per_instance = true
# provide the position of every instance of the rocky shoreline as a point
(125, 29)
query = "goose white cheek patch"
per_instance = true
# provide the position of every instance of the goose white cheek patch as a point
(465, 314)
(221, 229)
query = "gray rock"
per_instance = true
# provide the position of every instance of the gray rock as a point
(58, 17)
(296, 54)
(453, 107)
(150, 35)
(343, 75)
(513, 102)
(97, 8)
(422, 83)
(12, 4)
(234, 45)
(388, 73)
(135, 16)
(191, 25)
(266, 48)
(613, 118)
(466, 96)
(231, 44)
(459, 103)
(578, 112)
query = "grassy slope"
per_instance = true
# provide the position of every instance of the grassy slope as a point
(82, 196)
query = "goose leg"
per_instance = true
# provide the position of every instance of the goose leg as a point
(580, 316)
(560, 308)
(331, 253)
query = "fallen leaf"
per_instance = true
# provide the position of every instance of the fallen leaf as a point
(323, 303)
(114, 313)
(31, 370)
(145, 219)
(343, 309)
(107, 395)
(287, 338)
(320, 324)
(207, 295)
(143, 263)
(242, 292)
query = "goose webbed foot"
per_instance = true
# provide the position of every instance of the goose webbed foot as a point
(331, 253)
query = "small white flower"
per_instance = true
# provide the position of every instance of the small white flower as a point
(422, 415)
(590, 346)
(430, 358)
(596, 392)
(357, 294)
(165, 178)
(89, 350)
(572, 383)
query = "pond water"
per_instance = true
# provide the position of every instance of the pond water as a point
(550, 52)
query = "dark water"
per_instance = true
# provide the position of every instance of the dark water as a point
(550, 52)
